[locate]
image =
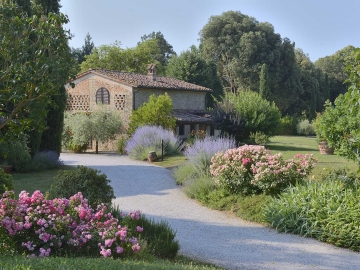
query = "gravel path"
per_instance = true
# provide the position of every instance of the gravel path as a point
(205, 234)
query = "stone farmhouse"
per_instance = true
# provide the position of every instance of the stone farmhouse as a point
(125, 91)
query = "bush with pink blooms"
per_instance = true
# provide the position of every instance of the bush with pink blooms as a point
(38, 227)
(251, 169)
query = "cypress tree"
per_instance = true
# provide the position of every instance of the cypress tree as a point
(51, 136)
(327, 88)
(264, 83)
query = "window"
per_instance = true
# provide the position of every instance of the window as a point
(181, 130)
(102, 96)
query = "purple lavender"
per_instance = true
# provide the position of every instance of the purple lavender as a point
(148, 138)
(200, 153)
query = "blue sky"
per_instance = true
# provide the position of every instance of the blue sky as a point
(318, 27)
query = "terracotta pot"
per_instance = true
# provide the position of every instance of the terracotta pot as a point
(325, 149)
(152, 156)
(6, 168)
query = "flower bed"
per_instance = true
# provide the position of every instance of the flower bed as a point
(39, 227)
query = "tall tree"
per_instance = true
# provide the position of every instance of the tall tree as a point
(131, 59)
(239, 45)
(264, 83)
(47, 6)
(87, 49)
(334, 66)
(326, 88)
(40, 45)
(191, 67)
(166, 50)
(25, 5)
(310, 81)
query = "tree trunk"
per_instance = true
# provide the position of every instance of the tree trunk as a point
(96, 147)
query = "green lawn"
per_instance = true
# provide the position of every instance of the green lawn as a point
(35, 180)
(289, 146)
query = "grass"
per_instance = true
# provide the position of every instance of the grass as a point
(171, 161)
(54, 263)
(36, 180)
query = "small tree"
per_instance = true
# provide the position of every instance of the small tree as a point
(80, 128)
(156, 112)
(104, 126)
(245, 113)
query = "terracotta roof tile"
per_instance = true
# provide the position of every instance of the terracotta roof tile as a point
(144, 81)
(190, 116)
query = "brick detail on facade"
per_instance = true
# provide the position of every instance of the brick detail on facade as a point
(119, 102)
(78, 103)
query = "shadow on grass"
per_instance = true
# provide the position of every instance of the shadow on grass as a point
(282, 148)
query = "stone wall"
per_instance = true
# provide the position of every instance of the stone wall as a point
(181, 99)
(83, 96)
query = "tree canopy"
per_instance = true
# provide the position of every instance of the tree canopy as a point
(34, 64)
(130, 60)
(191, 67)
(240, 45)
(166, 51)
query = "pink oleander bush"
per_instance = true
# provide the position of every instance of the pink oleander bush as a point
(251, 169)
(38, 227)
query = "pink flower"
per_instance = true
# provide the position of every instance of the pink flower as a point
(119, 250)
(136, 247)
(109, 242)
(105, 252)
(139, 229)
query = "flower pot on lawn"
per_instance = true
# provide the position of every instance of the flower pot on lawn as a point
(325, 149)
(6, 168)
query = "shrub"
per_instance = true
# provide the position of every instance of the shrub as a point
(148, 138)
(184, 173)
(95, 187)
(45, 160)
(259, 138)
(328, 210)
(288, 125)
(159, 237)
(121, 144)
(75, 134)
(198, 186)
(156, 112)
(258, 114)
(17, 152)
(65, 227)
(5, 182)
(200, 153)
(251, 169)
(304, 127)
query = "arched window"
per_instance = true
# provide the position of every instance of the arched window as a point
(102, 96)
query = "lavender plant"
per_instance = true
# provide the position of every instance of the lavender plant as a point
(148, 138)
(200, 153)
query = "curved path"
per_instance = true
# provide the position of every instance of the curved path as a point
(205, 234)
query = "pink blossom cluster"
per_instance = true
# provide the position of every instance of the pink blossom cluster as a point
(251, 167)
(41, 227)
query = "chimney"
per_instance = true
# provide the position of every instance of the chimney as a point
(151, 68)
